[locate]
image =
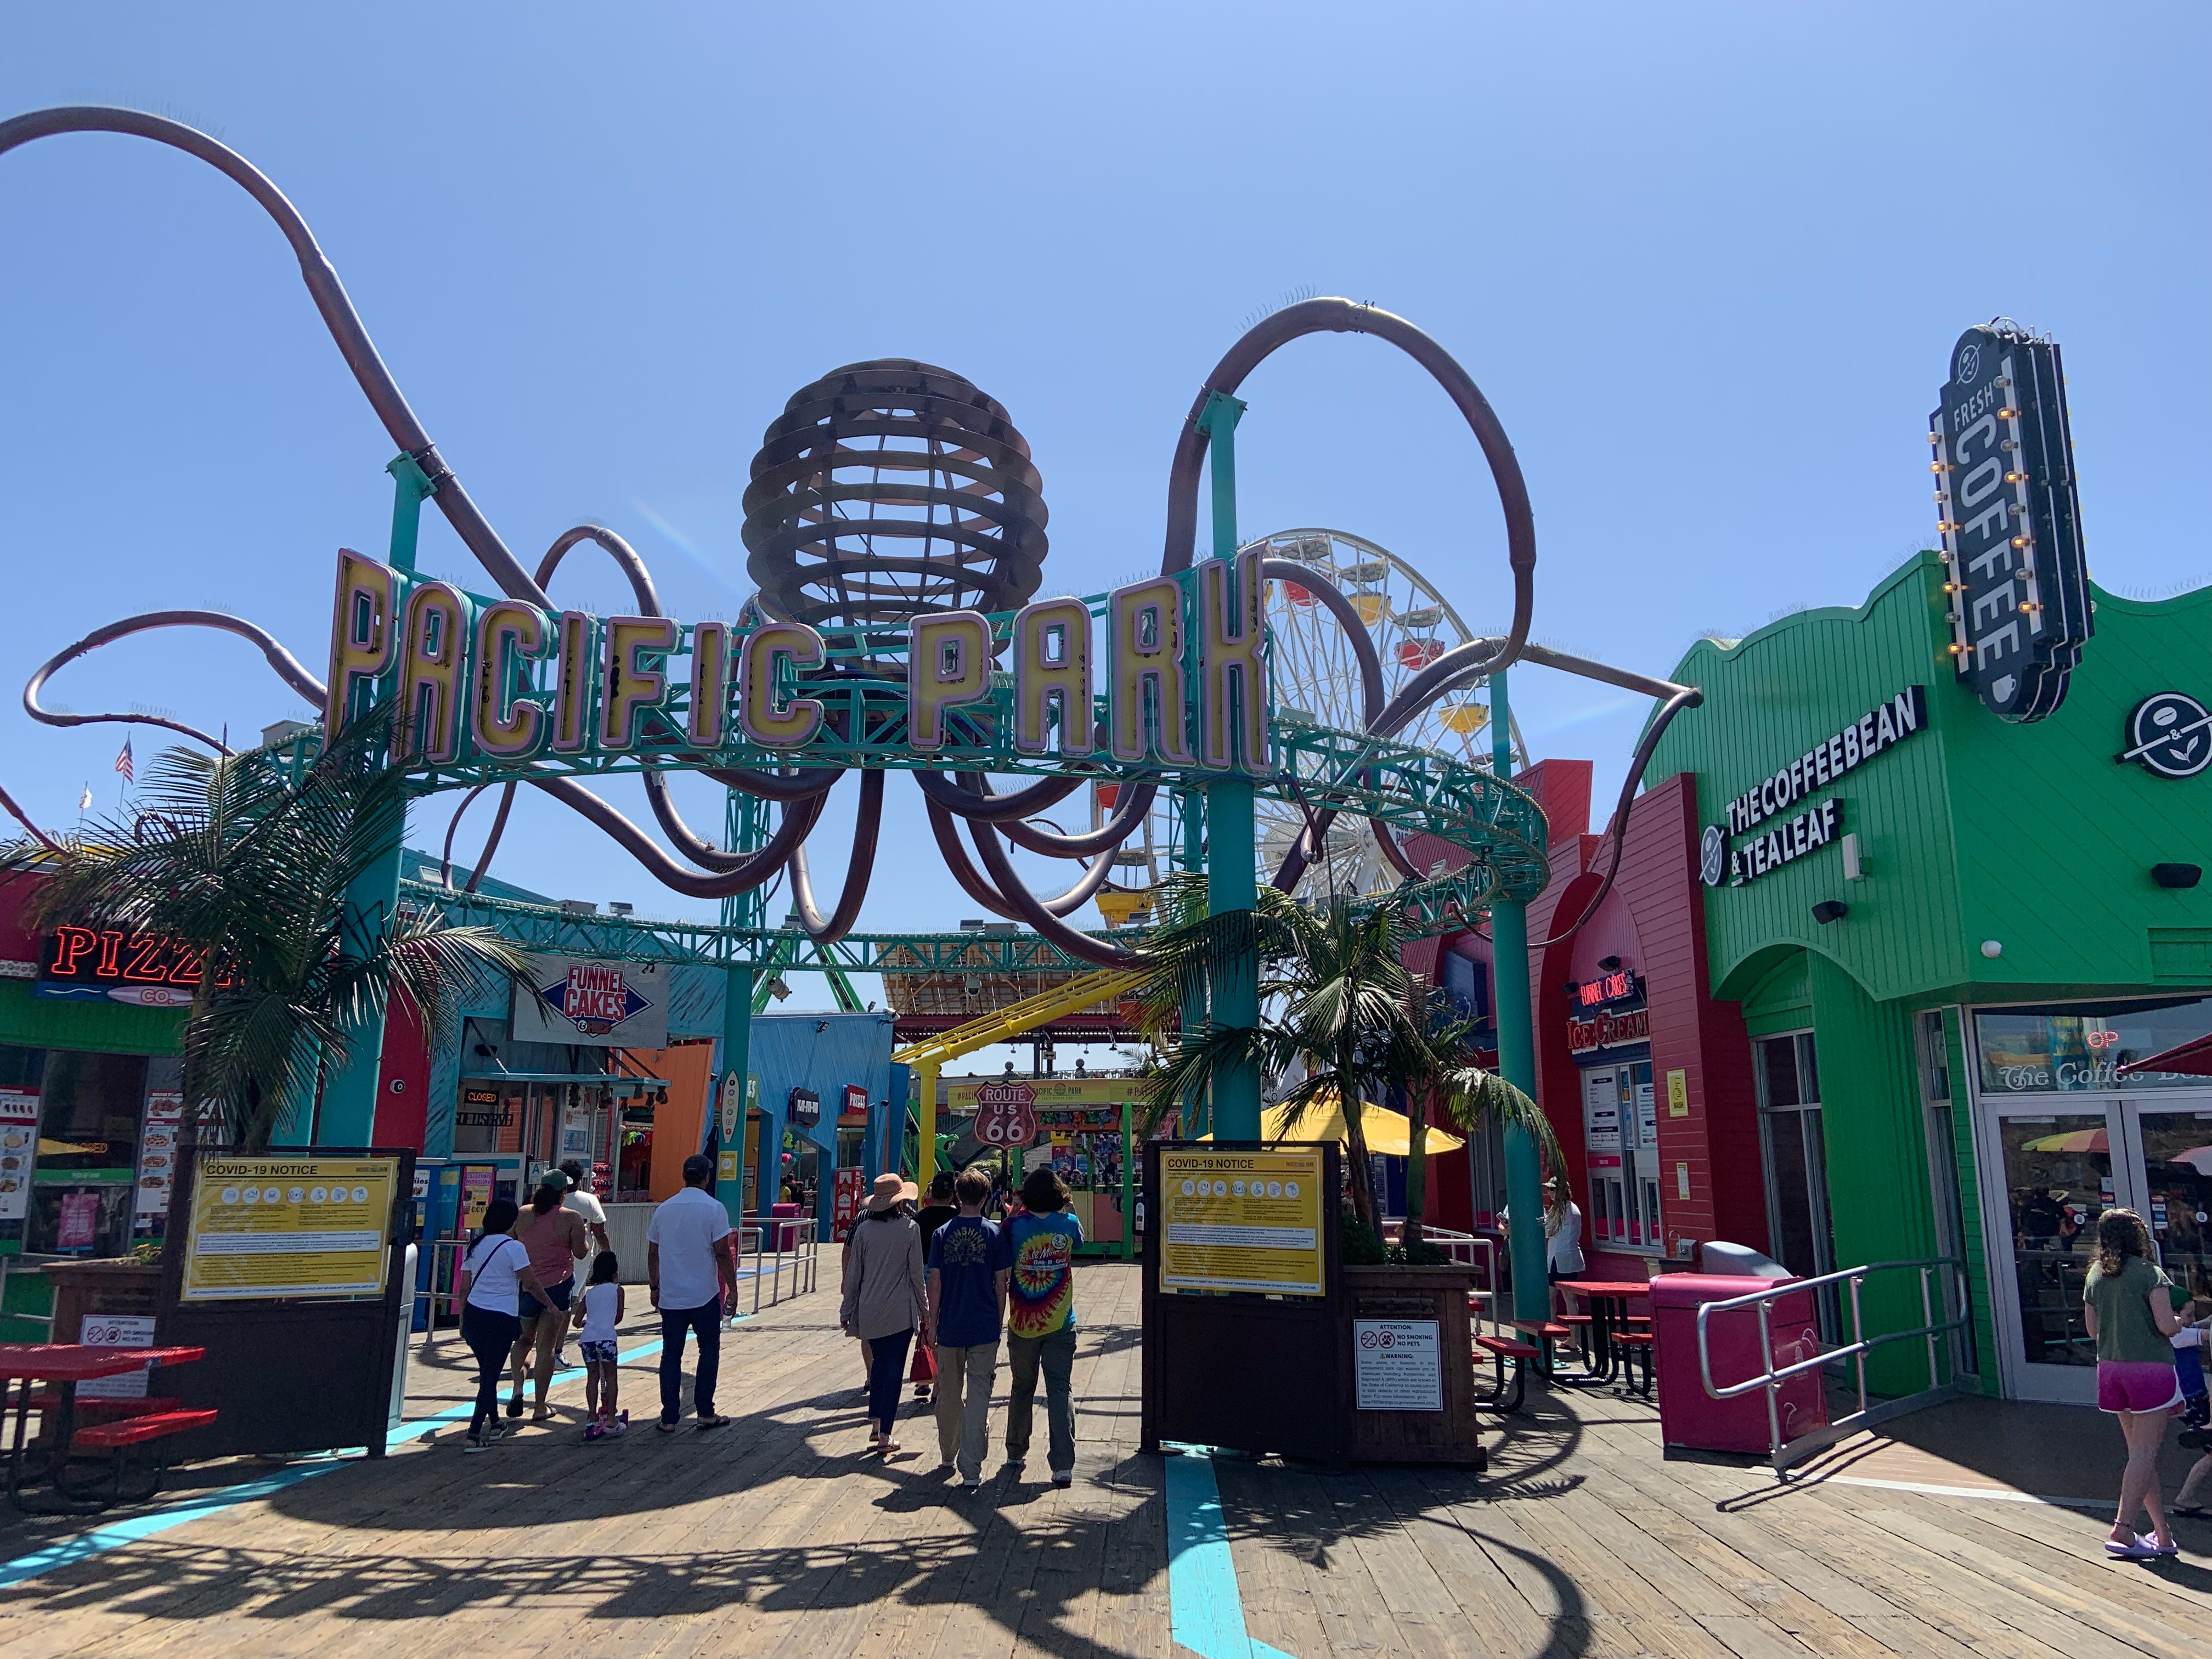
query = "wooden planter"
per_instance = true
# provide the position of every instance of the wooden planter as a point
(121, 1287)
(1451, 1435)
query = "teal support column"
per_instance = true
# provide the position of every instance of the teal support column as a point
(1516, 1055)
(1190, 816)
(346, 1115)
(737, 1067)
(1232, 879)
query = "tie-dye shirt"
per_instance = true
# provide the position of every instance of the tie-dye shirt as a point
(1040, 1300)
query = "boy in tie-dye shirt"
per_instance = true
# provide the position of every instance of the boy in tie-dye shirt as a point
(1040, 1322)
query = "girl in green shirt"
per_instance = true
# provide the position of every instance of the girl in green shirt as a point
(2129, 1313)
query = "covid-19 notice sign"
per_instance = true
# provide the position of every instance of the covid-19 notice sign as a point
(1241, 1221)
(266, 1228)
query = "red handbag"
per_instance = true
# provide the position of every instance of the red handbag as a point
(924, 1368)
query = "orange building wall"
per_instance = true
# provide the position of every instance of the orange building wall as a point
(679, 1123)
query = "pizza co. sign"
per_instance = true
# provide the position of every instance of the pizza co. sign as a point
(1880, 729)
(502, 680)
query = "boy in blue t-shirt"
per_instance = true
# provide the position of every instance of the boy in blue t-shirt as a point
(970, 1262)
(1040, 1322)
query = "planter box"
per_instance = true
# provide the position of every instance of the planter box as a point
(1377, 1298)
(121, 1287)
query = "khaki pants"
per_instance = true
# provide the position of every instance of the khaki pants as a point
(964, 1377)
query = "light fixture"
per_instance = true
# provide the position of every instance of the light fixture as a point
(1992, 948)
(1606, 964)
(1828, 910)
(778, 989)
(2177, 875)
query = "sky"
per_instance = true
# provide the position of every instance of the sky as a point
(1707, 262)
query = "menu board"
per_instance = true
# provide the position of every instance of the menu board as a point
(157, 1150)
(268, 1227)
(1240, 1221)
(18, 1148)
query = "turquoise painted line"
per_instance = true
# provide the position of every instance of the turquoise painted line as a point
(69, 1551)
(1205, 1609)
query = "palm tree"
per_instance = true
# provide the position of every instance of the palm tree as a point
(1440, 1068)
(1334, 1000)
(248, 858)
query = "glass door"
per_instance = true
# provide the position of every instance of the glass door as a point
(2170, 1151)
(2056, 1170)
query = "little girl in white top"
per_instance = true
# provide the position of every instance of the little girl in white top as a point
(597, 1311)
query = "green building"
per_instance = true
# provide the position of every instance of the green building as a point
(1946, 933)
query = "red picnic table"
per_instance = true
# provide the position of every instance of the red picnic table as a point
(65, 1364)
(1608, 1300)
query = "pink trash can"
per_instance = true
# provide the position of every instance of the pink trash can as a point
(1691, 1417)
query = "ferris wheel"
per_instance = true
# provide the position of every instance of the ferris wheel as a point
(1315, 674)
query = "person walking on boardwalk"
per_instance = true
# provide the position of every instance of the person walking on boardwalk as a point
(885, 1301)
(600, 1310)
(495, 1275)
(970, 1261)
(689, 1271)
(2132, 1319)
(556, 1240)
(940, 1209)
(1040, 1322)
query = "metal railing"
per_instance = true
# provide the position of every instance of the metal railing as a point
(774, 1243)
(1930, 1331)
(773, 1246)
(1472, 1250)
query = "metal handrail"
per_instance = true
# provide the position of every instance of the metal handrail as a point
(1461, 1247)
(1781, 1453)
(796, 1242)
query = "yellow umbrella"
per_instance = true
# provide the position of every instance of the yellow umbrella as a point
(1388, 1132)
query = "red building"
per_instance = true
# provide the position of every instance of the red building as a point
(1647, 1080)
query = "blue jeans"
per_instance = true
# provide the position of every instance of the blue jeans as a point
(886, 1372)
(706, 1322)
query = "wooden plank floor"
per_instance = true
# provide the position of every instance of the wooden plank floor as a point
(779, 1536)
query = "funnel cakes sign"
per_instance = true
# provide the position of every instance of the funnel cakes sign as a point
(605, 1003)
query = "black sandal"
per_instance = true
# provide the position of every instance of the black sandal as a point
(2191, 1511)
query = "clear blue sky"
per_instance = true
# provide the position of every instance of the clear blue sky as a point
(1707, 262)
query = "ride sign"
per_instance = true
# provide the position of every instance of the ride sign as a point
(1241, 1221)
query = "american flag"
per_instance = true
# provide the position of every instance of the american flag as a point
(125, 765)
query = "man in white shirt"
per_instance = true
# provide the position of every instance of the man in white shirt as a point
(585, 1203)
(690, 1270)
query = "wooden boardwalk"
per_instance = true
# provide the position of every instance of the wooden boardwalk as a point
(778, 1536)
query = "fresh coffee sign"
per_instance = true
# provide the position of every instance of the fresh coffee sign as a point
(2010, 520)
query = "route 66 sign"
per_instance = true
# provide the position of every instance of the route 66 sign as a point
(2169, 734)
(1006, 1115)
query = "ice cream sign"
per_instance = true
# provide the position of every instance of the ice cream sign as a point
(601, 1003)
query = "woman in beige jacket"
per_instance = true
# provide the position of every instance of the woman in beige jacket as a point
(886, 1296)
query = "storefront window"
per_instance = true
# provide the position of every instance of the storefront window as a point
(1789, 1136)
(88, 1153)
(2058, 1178)
(2079, 1047)
(1621, 1136)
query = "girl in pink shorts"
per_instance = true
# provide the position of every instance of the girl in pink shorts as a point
(2128, 1311)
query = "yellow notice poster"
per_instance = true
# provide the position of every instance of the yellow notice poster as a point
(266, 1227)
(1240, 1221)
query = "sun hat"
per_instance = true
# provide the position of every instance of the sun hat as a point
(890, 1189)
